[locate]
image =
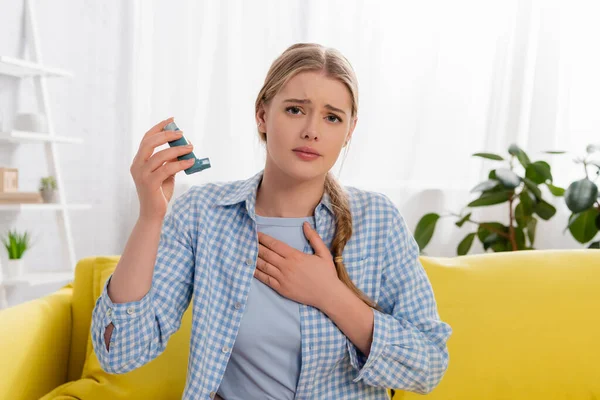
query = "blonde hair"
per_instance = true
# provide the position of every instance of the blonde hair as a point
(302, 57)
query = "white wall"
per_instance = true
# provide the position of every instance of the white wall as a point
(93, 39)
(90, 39)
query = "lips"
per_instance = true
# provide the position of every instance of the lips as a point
(308, 150)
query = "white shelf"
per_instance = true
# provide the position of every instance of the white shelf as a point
(22, 68)
(39, 278)
(35, 137)
(33, 66)
(42, 206)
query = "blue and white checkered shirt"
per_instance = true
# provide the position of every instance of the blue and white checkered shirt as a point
(208, 248)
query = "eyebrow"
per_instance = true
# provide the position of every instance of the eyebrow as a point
(307, 101)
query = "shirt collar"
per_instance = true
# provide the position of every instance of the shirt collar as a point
(246, 190)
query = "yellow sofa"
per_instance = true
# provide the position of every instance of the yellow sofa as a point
(526, 326)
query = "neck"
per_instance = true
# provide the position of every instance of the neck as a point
(278, 195)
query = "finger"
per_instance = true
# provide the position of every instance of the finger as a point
(270, 256)
(158, 127)
(267, 280)
(315, 241)
(173, 160)
(170, 161)
(169, 169)
(275, 245)
(161, 157)
(148, 144)
(268, 269)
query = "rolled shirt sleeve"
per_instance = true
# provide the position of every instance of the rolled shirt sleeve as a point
(142, 328)
(408, 350)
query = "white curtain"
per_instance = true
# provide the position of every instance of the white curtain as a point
(438, 81)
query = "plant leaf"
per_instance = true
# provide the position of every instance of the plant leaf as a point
(583, 226)
(531, 227)
(489, 156)
(520, 216)
(520, 154)
(527, 202)
(538, 172)
(425, 228)
(509, 179)
(594, 245)
(545, 210)
(522, 219)
(16, 243)
(572, 218)
(554, 152)
(500, 245)
(465, 245)
(520, 239)
(464, 219)
(533, 188)
(485, 229)
(491, 239)
(485, 185)
(592, 148)
(581, 195)
(488, 199)
(555, 190)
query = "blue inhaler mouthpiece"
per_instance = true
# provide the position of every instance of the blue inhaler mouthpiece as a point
(199, 164)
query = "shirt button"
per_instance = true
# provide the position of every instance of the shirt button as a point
(238, 305)
(130, 310)
(109, 312)
(249, 261)
(225, 349)
(212, 395)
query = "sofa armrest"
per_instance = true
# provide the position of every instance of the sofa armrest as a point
(35, 339)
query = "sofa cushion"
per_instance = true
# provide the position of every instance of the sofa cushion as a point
(162, 378)
(84, 299)
(525, 325)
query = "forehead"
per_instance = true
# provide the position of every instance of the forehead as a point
(318, 88)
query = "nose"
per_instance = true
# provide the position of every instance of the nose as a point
(311, 129)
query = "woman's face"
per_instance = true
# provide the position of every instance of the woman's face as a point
(311, 110)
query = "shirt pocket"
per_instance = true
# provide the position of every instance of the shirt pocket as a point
(365, 274)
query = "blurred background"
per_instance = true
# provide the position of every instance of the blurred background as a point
(439, 81)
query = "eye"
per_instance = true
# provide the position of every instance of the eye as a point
(293, 109)
(334, 116)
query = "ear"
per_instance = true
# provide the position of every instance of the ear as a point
(352, 126)
(261, 118)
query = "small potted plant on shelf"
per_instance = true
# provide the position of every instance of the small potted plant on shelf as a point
(16, 245)
(48, 189)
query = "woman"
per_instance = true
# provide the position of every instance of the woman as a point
(302, 289)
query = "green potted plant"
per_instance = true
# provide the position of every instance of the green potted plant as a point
(583, 199)
(48, 189)
(518, 185)
(16, 244)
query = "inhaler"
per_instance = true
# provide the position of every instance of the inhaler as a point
(199, 164)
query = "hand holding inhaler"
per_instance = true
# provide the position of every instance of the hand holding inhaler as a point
(154, 174)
